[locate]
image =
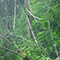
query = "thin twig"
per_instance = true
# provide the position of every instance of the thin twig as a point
(11, 51)
(6, 39)
(14, 15)
(10, 42)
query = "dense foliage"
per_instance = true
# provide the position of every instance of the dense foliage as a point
(45, 23)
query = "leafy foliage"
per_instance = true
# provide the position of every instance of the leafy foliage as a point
(46, 29)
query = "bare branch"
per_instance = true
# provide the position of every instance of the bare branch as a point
(11, 51)
(14, 15)
(10, 42)
(35, 17)
(6, 39)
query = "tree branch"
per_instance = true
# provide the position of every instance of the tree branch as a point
(9, 41)
(14, 15)
(11, 51)
(35, 17)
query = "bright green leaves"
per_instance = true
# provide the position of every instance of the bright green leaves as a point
(1, 57)
(33, 21)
